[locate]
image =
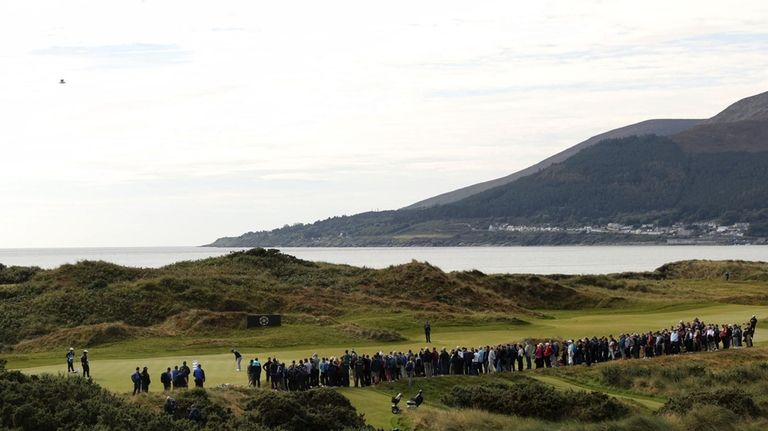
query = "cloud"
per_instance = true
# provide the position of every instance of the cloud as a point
(121, 56)
(343, 107)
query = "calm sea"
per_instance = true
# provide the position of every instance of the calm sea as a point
(537, 260)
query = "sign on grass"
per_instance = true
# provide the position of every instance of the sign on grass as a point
(260, 320)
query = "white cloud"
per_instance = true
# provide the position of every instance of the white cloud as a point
(182, 121)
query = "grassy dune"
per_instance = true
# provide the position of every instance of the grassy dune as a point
(130, 317)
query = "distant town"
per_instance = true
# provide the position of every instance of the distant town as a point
(706, 232)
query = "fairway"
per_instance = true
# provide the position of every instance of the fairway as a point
(114, 373)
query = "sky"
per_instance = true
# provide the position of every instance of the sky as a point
(181, 122)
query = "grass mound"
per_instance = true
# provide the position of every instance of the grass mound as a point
(534, 291)
(732, 399)
(708, 269)
(746, 299)
(319, 409)
(93, 274)
(370, 334)
(469, 419)
(17, 274)
(533, 399)
(203, 321)
(221, 290)
(84, 336)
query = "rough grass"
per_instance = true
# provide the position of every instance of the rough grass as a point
(534, 399)
(468, 419)
(707, 270)
(214, 294)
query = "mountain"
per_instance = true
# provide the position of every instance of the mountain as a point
(689, 171)
(662, 127)
(633, 180)
(750, 108)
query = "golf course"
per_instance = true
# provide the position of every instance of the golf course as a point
(195, 312)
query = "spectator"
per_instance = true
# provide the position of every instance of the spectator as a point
(71, 360)
(199, 376)
(166, 379)
(86, 364)
(145, 380)
(136, 379)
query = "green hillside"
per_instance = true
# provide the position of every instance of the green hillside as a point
(95, 303)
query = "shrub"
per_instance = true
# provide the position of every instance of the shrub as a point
(53, 403)
(622, 377)
(731, 399)
(711, 418)
(323, 409)
(17, 274)
(533, 399)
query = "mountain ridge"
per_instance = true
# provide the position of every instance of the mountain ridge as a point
(700, 171)
(662, 127)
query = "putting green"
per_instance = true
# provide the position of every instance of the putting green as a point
(114, 373)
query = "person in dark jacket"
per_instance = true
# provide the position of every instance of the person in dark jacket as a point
(359, 368)
(194, 414)
(238, 359)
(86, 364)
(427, 331)
(71, 360)
(166, 379)
(199, 376)
(136, 379)
(176, 377)
(170, 406)
(145, 380)
(256, 367)
(184, 373)
(249, 373)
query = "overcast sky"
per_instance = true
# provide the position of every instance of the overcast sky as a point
(181, 121)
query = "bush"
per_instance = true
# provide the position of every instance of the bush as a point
(323, 409)
(622, 377)
(533, 399)
(17, 274)
(731, 399)
(53, 403)
(711, 418)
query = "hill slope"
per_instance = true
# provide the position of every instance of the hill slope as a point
(663, 127)
(750, 108)
(94, 302)
(635, 179)
(702, 171)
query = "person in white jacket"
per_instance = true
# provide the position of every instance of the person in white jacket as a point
(492, 360)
